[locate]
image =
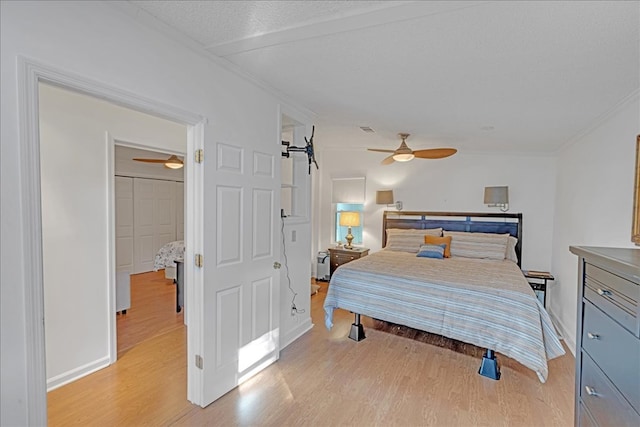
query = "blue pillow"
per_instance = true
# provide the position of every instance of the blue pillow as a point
(431, 251)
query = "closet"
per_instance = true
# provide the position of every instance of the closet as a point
(149, 214)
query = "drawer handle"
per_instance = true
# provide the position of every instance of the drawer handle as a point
(591, 391)
(604, 292)
(593, 336)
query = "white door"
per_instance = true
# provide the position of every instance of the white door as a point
(165, 213)
(124, 223)
(154, 220)
(241, 286)
(179, 210)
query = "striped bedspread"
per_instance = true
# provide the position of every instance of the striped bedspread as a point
(483, 302)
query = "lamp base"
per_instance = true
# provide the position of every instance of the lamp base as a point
(349, 238)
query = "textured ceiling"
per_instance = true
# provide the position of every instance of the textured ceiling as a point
(516, 76)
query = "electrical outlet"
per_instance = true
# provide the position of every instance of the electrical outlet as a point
(293, 235)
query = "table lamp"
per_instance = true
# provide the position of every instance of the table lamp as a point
(349, 219)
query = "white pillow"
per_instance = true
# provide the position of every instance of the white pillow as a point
(408, 239)
(478, 245)
(511, 254)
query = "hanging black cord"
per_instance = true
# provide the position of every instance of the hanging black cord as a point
(294, 309)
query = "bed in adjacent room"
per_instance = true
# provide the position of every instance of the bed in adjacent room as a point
(477, 295)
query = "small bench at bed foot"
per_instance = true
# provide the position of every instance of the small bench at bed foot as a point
(489, 367)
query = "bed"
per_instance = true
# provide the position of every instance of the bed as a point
(167, 256)
(482, 300)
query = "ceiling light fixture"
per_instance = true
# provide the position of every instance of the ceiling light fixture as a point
(173, 163)
(403, 157)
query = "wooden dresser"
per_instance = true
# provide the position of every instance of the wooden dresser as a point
(608, 337)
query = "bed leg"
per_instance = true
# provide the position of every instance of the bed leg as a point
(357, 331)
(489, 367)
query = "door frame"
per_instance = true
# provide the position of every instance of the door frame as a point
(30, 74)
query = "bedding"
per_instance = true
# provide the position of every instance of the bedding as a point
(432, 251)
(435, 240)
(408, 240)
(167, 255)
(483, 302)
(478, 245)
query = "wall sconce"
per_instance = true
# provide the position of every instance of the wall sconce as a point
(349, 219)
(497, 197)
(385, 197)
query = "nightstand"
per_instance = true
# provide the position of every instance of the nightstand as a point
(339, 256)
(538, 281)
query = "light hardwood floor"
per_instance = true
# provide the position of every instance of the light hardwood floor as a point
(322, 379)
(152, 312)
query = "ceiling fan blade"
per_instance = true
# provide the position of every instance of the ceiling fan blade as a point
(381, 151)
(388, 160)
(151, 160)
(435, 153)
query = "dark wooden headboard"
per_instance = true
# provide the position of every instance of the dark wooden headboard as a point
(487, 222)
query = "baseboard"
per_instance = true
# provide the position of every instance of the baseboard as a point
(564, 332)
(77, 373)
(296, 333)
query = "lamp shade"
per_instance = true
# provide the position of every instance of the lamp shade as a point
(384, 197)
(496, 195)
(349, 219)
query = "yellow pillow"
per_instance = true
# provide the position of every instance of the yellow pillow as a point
(433, 240)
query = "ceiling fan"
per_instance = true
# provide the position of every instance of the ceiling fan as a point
(404, 153)
(172, 162)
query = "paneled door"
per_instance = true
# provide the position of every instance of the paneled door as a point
(179, 210)
(240, 325)
(124, 223)
(154, 220)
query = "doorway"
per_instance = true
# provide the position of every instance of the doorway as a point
(149, 237)
(76, 160)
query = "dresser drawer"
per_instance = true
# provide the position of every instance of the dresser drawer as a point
(343, 258)
(602, 400)
(615, 350)
(615, 295)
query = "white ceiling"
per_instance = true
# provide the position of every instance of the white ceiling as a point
(474, 75)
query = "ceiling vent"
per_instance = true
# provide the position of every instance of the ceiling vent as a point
(367, 129)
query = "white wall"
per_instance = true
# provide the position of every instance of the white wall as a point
(94, 40)
(74, 176)
(594, 203)
(296, 241)
(453, 184)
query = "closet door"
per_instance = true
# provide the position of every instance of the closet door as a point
(179, 210)
(124, 223)
(154, 219)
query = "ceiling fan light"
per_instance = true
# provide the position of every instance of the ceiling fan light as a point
(403, 157)
(173, 165)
